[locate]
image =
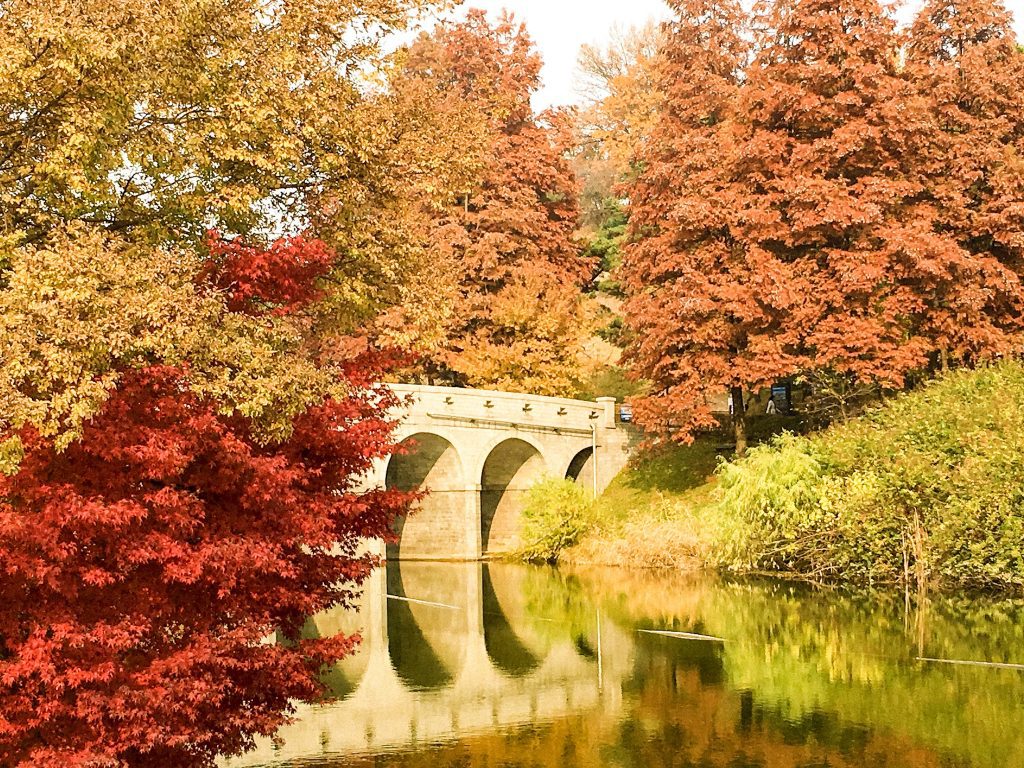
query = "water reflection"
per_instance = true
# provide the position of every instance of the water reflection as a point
(469, 665)
(505, 648)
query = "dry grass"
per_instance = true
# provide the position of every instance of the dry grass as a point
(639, 544)
(655, 514)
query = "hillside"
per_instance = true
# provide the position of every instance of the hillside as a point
(925, 490)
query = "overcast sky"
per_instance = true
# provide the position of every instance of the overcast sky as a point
(560, 27)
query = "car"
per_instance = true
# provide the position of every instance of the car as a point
(626, 413)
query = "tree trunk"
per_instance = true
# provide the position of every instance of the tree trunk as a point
(739, 421)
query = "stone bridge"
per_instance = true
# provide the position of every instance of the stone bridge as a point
(476, 453)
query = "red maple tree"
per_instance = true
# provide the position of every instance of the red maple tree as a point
(144, 565)
(279, 279)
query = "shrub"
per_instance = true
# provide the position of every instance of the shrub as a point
(557, 513)
(773, 500)
(928, 489)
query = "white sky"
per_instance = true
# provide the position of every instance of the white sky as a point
(560, 27)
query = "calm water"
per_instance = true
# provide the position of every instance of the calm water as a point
(503, 666)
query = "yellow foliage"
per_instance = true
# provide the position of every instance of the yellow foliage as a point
(532, 338)
(86, 304)
(128, 128)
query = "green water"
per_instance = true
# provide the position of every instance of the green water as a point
(503, 665)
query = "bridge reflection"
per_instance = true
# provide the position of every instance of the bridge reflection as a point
(448, 650)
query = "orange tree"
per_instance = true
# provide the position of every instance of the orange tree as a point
(791, 216)
(506, 239)
(689, 301)
(966, 67)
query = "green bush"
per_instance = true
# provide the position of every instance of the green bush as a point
(773, 499)
(927, 489)
(557, 513)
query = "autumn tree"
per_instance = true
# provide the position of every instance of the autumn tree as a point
(851, 172)
(831, 133)
(965, 64)
(144, 561)
(176, 115)
(183, 424)
(620, 86)
(621, 98)
(128, 129)
(505, 240)
(689, 301)
(144, 564)
(809, 242)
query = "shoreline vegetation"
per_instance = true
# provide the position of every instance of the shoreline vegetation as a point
(924, 491)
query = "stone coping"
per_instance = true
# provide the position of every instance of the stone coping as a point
(486, 394)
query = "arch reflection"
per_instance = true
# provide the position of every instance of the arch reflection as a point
(448, 649)
(425, 636)
(504, 647)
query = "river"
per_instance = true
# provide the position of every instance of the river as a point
(471, 665)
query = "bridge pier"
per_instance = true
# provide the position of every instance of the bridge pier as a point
(474, 544)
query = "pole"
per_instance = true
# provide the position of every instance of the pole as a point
(593, 454)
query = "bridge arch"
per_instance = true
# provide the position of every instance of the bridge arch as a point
(476, 452)
(581, 468)
(343, 677)
(428, 462)
(510, 469)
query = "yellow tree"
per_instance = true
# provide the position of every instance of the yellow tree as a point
(127, 130)
(620, 84)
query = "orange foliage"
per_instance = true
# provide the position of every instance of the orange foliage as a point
(964, 62)
(506, 239)
(689, 289)
(812, 203)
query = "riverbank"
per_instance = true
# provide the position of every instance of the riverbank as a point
(927, 490)
(654, 514)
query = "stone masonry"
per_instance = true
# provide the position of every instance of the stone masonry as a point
(477, 453)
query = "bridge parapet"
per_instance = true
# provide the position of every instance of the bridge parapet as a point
(489, 409)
